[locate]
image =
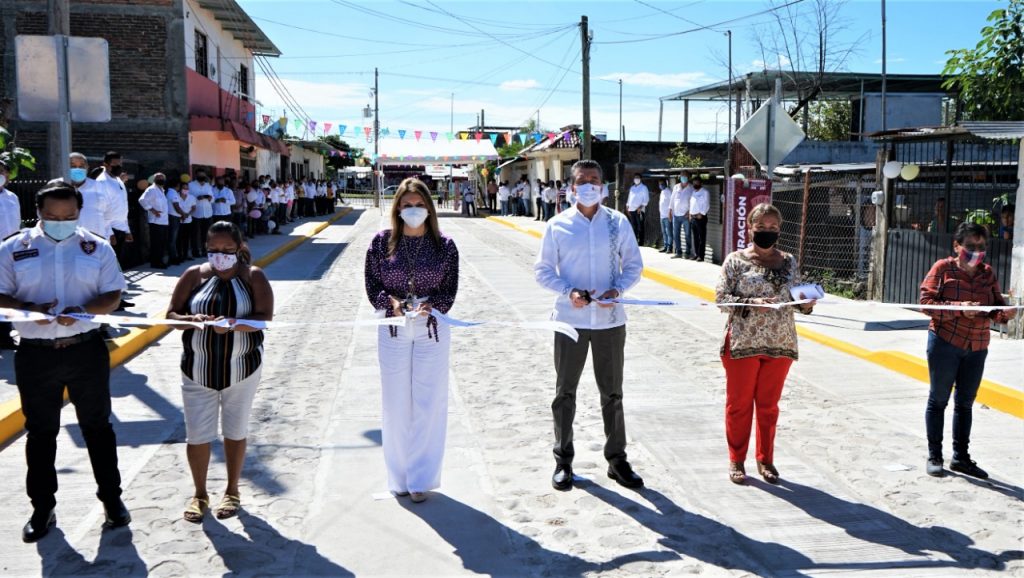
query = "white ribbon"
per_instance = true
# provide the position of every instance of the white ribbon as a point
(695, 304)
(557, 326)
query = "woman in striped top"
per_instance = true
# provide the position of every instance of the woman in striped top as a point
(220, 365)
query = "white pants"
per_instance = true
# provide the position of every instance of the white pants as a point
(203, 406)
(414, 387)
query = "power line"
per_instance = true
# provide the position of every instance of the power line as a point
(701, 28)
(512, 46)
(423, 25)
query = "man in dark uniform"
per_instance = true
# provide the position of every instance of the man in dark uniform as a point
(58, 268)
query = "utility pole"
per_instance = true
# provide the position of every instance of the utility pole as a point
(59, 133)
(483, 121)
(883, 67)
(622, 136)
(376, 132)
(728, 132)
(585, 38)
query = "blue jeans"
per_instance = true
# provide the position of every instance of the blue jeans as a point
(666, 234)
(680, 224)
(948, 364)
(504, 208)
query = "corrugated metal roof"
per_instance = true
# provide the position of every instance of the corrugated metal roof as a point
(238, 23)
(998, 130)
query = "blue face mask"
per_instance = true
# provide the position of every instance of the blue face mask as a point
(78, 175)
(59, 230)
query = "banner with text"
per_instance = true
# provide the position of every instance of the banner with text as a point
(742, 195)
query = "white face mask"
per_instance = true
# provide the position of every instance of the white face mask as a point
(588, 195)
(222, 261)
(636, 181)
(414, 216)
(3, 181)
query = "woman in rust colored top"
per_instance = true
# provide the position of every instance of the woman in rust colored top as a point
(958, 342)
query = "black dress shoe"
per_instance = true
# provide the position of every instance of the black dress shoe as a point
(562, 478)
(38, 526)
(117, 514)
(622, 473)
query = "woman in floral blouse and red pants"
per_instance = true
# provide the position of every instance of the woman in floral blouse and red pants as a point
(760, 343)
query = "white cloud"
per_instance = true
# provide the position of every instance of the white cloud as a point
(779, 63)
(519, 84)
(672, 80)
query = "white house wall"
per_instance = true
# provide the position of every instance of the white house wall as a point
(232, 52)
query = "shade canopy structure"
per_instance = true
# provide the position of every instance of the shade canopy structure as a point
(834, 85)
(441, 151)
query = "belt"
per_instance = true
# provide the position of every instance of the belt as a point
(62, 342)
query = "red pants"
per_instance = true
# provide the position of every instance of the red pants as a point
(749, 382)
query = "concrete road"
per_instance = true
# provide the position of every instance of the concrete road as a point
(850, 447)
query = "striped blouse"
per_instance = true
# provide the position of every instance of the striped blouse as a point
(220, 361)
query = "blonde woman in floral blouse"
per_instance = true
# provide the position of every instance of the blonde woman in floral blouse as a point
(760, 343)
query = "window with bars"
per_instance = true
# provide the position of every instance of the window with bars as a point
(243, 81)
(202, 55)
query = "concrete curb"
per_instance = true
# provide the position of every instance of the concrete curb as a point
(992, 394)
(12, 421)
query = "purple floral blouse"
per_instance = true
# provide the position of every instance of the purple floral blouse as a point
(435, 271)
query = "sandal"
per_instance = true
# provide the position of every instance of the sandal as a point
(737, 474)
(196, 509)
(768, 472)
(229, 506)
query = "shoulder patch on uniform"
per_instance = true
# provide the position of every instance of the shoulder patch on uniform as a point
(26, 254)
(88, 247)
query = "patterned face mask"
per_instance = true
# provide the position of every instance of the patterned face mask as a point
(972, 258)
(222, 261)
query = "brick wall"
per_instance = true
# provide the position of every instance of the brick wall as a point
(145, 38)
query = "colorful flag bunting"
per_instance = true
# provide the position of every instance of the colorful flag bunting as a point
(494, 138)
(298, 124)
(327, 127)
(341, 129)
(478, 136)
(401, 133)
(312, 126)
(433, 136)
(418, 134)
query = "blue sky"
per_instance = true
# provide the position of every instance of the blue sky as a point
(515, 58)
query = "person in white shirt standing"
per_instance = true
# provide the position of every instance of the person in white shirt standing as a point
(700, 205)
(174, 214)
(96, 214)
(223, 198)
(636, 206)
(186, 236)
(154, 201)
(664, 204)
(679, 212)
(550, 195)
(589, 255)
(58, 268)
(503, 195)
(118, 198)
(203, 217)
(10, 223)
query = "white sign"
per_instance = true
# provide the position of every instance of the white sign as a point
(36, 77)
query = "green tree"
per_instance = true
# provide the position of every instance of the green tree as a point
(16, 158)
(990, 77)
(339, 162)
(680, 158)
(830, 120)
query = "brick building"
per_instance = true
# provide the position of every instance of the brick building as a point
(181, 84)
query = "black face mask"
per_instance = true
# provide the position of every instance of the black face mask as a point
(766, 239)
(160, 182)
(116, 170)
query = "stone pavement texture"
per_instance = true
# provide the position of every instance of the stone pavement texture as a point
(854, 498)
